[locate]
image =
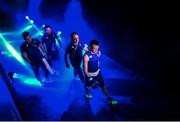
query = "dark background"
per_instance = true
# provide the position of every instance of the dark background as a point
(141, 35)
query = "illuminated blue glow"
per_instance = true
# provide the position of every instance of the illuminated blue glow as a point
(59, 33)
(26, 27)
(74, 12)
(27, 17)
(37, 34)
(27, 80)
(12, 50)
(31, 21)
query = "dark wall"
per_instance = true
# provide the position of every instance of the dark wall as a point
(144, 33)
(54, 9)
(49, 9)
(8, 9)
(4, 24)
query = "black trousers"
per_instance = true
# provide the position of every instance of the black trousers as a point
(99, 78)
(76, 64)
(36, 67)
(78, 71)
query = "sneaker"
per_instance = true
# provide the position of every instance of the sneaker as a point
(89, 96)
(110, 101)
(114, 102)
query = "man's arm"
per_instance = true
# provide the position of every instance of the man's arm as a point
(24, 55)
(42, 48)
(65, 58)
(39, 43)
(85, 48)
(43, 45)
(86, 60)
(59, 41)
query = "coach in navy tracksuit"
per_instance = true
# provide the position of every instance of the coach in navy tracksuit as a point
(74, 51)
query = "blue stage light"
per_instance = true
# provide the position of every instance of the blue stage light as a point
(27, 17)
(31, 21)
(59, 33)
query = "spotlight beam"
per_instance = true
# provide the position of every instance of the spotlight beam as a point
(35, 27)
(12, 50)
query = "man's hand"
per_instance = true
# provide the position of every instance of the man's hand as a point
(85, 49)
(90, 78)
(24, 54)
